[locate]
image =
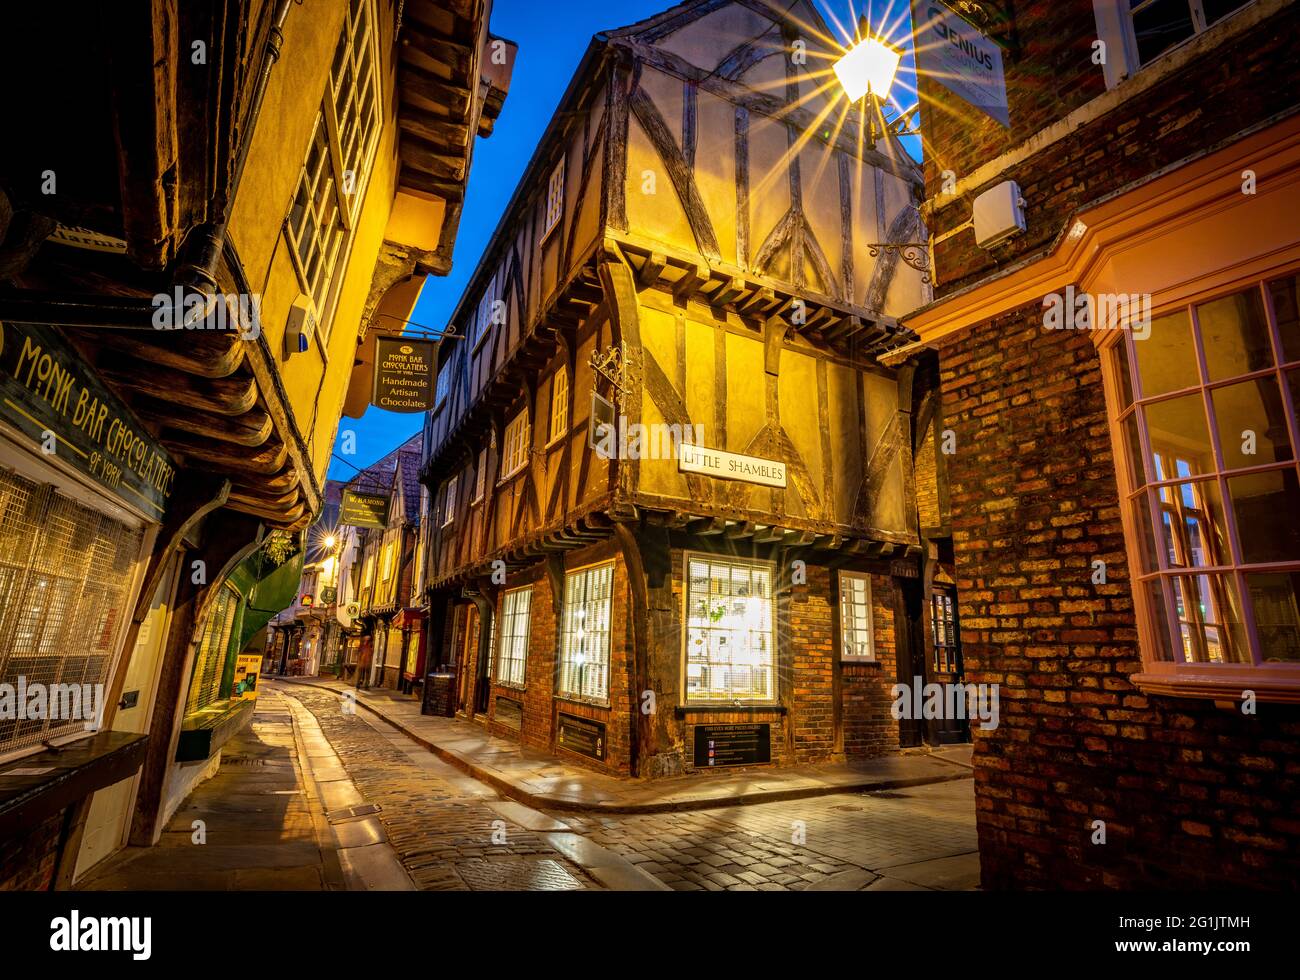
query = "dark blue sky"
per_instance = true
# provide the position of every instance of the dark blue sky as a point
(551, 37)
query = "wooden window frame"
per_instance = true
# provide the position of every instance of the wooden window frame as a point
(559, 421)
(578, 696)
(504, 633)
(854, 658)
(1223, 682)
(517, 448)
(554, 216)
(773, 652)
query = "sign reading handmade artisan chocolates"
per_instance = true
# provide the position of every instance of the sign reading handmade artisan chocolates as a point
(732, 745)
(404, 375)
(361, 509)
(730, 466)
(509, 713)
(582, 736)
(48, 393)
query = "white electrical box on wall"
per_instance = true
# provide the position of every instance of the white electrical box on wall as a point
(999, 214)
(301, 326)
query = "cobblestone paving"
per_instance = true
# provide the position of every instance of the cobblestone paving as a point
(443, 834)
(792, 844)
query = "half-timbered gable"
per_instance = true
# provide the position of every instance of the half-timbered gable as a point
(675, 461)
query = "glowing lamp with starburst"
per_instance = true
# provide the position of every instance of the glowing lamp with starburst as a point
(868, 68)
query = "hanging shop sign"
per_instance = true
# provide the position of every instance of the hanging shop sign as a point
(581, 735)
(961, 58)
(404, 374)
(329, 595)
(732, 745)
(730, 466)
(361, 509)
(49, 394)
(600, 424)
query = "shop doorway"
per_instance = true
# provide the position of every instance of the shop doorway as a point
(946, 661)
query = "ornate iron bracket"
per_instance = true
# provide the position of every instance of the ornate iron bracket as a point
(611, 365)
(915, 254)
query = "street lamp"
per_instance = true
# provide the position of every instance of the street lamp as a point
(867, 72)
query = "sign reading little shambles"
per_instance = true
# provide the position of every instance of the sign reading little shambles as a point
(404, 374)
(360, 509)
(48, 393)
(730, 466)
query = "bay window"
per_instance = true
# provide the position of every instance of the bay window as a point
(584, 647)
(730, 648)
(1205, 421)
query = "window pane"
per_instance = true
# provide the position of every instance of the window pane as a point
(1286, 307)
(1146, 535)
(1166, 359)
(1193, 533)
(1133, 447)
(1266, 507)
(1160, 26)
(1277, 619)
(1177, 430)
(1217, 9)
(729, 643)
(1250, 417)
(1209, 619)
(1234, 333)
(1122, 371)
(1154, 590)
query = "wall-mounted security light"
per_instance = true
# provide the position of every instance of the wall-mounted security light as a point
(998, 214)
(301, 326)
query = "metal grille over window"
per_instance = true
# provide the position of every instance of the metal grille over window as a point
(855, 617)
(516, 611)
(944, 629)
(584, 655)
(729, 642)
(65, 575)
(210, 661)
(1208, 428)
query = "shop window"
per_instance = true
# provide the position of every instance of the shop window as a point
(730, 652)
(516, 609)
(323, 216)
(554, 198)
(213, 651)
(517, 438)
(584, 650)
(943, 632)
(856, 641)
(559, 403)
(1206, 429)
(65, 578)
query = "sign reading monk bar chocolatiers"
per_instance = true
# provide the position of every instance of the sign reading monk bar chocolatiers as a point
(50, 395)
(404, 375)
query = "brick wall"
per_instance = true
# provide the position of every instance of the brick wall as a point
(1257, 74)
(869, 729)
(28, 859)
(1192, 795)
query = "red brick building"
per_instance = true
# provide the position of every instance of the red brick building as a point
(1122, 497)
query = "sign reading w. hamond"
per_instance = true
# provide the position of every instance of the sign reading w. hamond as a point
(49, 394)
(361, 509)
(960, 57)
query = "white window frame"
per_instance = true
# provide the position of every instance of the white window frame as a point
(717, 560)
(1115, 27)
(323, 288)
(554, 200)
(849, 623)
(443, 385)
(480, 477)
(559, 405)
(575, 628)
(518, 445)
(449, 501)
(512, 671)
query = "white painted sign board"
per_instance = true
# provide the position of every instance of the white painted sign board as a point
(960, 57)
(730, 466)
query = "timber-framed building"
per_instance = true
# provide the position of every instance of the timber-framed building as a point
(696, 245)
